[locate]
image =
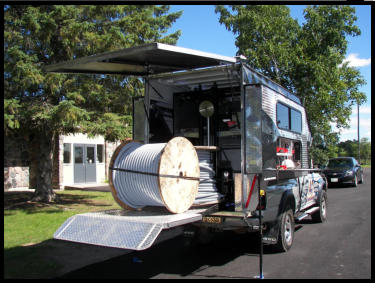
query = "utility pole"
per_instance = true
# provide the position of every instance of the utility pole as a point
(359, 151)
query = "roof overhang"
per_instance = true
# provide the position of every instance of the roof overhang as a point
(152, 58)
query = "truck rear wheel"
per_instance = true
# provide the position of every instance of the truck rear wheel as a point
(321, 215)
(286, 231)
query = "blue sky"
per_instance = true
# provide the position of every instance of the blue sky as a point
(201, 30)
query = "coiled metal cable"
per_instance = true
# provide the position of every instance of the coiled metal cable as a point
(140, 190)
(155, 175)
(207, 191)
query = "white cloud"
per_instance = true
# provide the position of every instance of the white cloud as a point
(363, 122)
(354, 61)
(348, 131)
(353, 123)
(362, 110)
(354, 136)
(351, 132)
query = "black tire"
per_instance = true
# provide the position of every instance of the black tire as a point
(321, 215)
(355, 181)
(361, 181)
(286, 231)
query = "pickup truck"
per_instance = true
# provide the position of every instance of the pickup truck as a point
(255, 132)
(282, 205)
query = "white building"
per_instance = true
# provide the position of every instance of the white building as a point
(83, 159)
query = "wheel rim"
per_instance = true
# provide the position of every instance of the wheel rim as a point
(288, 233)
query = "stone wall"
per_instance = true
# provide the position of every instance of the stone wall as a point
(16, 177)
(16, 162)
(20, 152)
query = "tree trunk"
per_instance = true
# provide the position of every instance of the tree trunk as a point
(43, 190)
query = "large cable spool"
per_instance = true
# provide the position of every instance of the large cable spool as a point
(160, 174)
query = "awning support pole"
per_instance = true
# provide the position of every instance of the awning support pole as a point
(260, 231)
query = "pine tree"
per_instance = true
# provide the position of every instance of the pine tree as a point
(43, 105)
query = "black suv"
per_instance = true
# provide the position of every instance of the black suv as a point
(343, 170)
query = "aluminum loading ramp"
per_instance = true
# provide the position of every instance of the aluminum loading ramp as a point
(134, 230)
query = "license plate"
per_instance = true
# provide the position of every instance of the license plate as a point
(211, 219)
(334, 180)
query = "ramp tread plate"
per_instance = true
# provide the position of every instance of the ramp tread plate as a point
(167, 220)
(136, 230)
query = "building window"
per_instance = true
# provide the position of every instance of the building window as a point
(99, 152)
(90, 154)
(78, 154)
(67, 152)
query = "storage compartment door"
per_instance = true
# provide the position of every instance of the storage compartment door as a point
(253, 129)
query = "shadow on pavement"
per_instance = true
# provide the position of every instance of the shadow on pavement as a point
(174, 257)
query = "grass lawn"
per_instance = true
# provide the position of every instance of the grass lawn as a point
(27, 225)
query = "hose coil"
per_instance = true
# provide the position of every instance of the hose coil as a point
(207, 191)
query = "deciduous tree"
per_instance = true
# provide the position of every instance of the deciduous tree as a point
(307, 59)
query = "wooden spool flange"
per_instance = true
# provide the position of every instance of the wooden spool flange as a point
(177, 158)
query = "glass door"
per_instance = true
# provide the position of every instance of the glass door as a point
(79, 165)
(84, 163)
(90, 166)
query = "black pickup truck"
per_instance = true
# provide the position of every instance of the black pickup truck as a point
(248, 123)
(283, 203)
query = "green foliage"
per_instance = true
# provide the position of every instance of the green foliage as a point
(36, 36)
(30, 222)
(41, 104)
(110, 125)
(324, 148)
(266, 35)
(350, 148)
(365, 150)
(29, 251)
(68, 116)
(327, 87)
(307, 59)
(11, 107)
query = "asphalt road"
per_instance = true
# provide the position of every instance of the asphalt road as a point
(338, 248)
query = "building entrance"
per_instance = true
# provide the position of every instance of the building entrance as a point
(84, 163)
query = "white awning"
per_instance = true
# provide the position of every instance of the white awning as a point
(153, 58)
